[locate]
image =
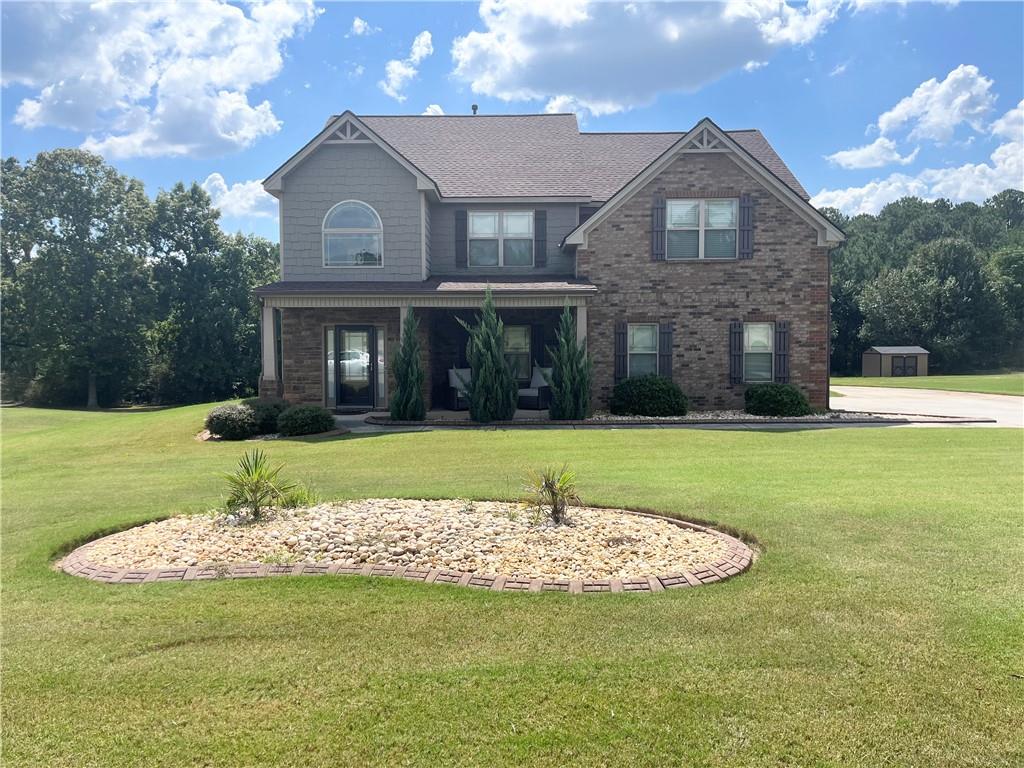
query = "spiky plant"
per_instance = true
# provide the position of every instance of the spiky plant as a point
(407, 402)
(491, 390)
(551, 491)
(254, 486)
(571, 371)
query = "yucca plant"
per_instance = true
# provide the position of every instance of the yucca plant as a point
(551, 491)
(255, 486)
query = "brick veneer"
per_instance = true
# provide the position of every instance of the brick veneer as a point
(787, 279)
(736, 560)
(302, 341)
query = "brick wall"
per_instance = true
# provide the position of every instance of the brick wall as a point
(787, 279)
(303, 347)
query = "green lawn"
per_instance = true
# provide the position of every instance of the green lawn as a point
(987, 383)
(881, 626)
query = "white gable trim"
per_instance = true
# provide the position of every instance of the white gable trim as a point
(708, 137)
(340, 131)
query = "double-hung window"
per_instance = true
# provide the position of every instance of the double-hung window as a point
(517, 351)
(701, 229)
(758, 351)
(501, 238)
(642, 357)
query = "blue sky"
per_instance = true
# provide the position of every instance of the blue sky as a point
(865, 101)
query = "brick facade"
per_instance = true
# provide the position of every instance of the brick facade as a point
(787, 279)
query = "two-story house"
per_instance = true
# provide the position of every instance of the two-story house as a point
(695, 255)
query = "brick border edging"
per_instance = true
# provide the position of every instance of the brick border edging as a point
(736, 560)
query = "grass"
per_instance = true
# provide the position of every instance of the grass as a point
(881, 626)
(987, 383)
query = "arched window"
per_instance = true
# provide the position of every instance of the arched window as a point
(353, 236)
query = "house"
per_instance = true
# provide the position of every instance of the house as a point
(894, 361)
(695, 255)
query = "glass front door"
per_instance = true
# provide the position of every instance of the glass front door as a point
(355, 365)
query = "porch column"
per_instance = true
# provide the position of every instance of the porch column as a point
(267, 343)
(581, 323)
(403, 312)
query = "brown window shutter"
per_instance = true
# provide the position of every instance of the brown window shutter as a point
(782, 351)
(540, 238)
(621, 351)
(461, 239)
(735, 352)
(746, 230)
(658, 228)
(665, 350)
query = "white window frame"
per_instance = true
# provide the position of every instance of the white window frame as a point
(630, 353)
(770, 353)
(501, 237)
(702, 227)
(325, 232)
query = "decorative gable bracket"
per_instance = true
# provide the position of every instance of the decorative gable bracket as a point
(348, 134)
(703, 141)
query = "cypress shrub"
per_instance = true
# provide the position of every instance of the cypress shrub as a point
(407, 402)
(491, 390)
(571, 370)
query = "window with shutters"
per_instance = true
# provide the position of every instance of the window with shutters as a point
(353, 236)
(758, 352)
(701, 229)
(501, 238)
(517, 351)
(642, 349)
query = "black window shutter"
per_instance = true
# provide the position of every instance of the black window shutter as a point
(537, 345)
(620, 352)
(461, 239)
(665, 350)
(782, 351)
(735, 352)
(540, 238)
(658, 228)
(746, 245)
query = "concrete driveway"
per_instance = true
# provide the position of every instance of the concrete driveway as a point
(1007, 410)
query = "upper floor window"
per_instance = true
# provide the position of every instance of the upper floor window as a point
(501, 239)
(701, 229)
(353, 236)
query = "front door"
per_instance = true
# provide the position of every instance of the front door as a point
(356, 365)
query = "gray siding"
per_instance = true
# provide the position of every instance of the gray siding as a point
(561, 221)
(352, 172)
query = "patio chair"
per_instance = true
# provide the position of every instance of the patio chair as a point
(457, 399)
(537, 396)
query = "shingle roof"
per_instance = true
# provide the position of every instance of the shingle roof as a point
(435, 285)
(900, 350)
(537, 155)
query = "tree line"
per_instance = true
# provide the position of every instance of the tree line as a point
(109, 296)
(947, 277)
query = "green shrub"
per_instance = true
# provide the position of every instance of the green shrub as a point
(407, 402)
(492, 391)
(266, 410)
(776, 400)
(254, 486)
(551, 491)
(570, 373)
(232, 422)
(649, 395)
(304, 420)
(301, 495)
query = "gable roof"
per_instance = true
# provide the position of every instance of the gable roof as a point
(899, 350)
(705, 136)
(528, 156)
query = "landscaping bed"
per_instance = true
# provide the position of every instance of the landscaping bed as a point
(484, 538)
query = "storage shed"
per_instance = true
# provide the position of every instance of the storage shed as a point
(894, 361)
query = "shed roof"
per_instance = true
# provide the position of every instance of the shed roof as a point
(899, 350)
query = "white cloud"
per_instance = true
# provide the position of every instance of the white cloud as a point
(361, 28)
(881, 151)
(150, 79)
(968, 182)
(433, 109)
(839, 69)
(935, 109)
(398, 72)
(753, 66)
(608, 57)
(241, 199)
(355, 71)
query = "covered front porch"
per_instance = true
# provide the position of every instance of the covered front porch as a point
(333, 344)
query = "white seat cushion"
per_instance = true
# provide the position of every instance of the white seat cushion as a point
(455, 381)
(538, 379)
(528, 392)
